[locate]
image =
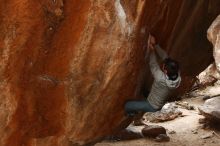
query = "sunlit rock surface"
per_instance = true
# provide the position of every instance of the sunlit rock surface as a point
(214, 37)
(209, 76)
(211, 109)
(67, 67)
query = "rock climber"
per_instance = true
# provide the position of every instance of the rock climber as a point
(166, 79)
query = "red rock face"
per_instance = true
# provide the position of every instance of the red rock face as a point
(67, 68)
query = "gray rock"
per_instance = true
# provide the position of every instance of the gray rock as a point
(211, 109)
(168, 112)
(172, 132)
(209, 135)
(194, 131)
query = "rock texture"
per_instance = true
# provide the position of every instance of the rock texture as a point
(67, 67)
(168, 112)
(214, 38)
(211, 109)
(153, 131)
(209, 76)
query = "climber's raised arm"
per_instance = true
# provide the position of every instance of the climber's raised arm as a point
(154, 66)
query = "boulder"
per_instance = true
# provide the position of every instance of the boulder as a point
(153, 131)
(208, 77)
(68, 67)
(168, 112)
(214, 38)
(211, 109)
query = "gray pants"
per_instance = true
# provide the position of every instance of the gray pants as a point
(134, 107)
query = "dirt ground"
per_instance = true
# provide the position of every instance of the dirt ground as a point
(188, 130)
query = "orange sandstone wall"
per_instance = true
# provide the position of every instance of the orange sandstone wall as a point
(67, 67)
